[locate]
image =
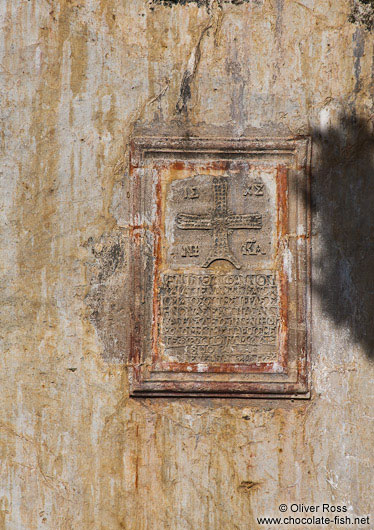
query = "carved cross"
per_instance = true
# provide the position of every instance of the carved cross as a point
(222, 222)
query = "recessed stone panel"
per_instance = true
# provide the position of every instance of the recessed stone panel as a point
(220, 267)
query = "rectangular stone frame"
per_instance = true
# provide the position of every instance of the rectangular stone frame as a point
(288, 378)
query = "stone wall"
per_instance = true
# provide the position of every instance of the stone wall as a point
(78, 78)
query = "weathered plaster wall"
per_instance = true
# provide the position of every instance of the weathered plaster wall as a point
(77, 78)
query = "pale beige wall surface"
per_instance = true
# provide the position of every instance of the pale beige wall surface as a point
(78, 77)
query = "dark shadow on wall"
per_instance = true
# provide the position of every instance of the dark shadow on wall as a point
(343, 207)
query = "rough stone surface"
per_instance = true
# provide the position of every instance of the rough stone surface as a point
(77, 78)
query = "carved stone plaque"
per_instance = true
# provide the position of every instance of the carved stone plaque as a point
(220, 238)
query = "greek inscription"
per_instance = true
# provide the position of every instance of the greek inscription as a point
(219, 318)
(190, 251)
(252, 248)
(191, 192)
(254, 189)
